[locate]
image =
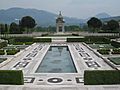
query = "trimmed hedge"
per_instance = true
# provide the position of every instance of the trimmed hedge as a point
(42, 40)
(12, 52)
(2, 52)
(116, 51)
(75, 39)
(3, 44)
(90, 40)
(104, 51)
(11, 77)
(115, 44)
(104, 77)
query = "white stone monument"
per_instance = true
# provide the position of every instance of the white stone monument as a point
(60, 24)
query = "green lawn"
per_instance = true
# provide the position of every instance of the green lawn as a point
(115, 60)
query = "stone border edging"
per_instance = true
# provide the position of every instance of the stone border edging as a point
(99, 55)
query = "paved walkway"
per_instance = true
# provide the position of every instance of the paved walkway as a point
(83, 58)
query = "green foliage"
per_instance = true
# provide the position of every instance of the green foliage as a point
(104, 77)
(23, 39)
(11, 77)
(3, 44)
(3, 28)
(94, 23)
(2, 52)
(112, 25)
(46, 34)
(75, 39)
(115, 44)
(14, 29)
(104, 51)
(90, 39)
(42, 40)
(27, 22)
(116, 51)
(74, 34)
(12, 52)
(72, 28)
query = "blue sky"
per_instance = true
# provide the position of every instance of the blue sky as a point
(71, 8)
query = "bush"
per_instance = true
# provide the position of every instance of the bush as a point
(74, 34)
(2, 52)
(12, 52)
(91, 39)
(42, 40)
(75, 39)
(23, 39)
(115, 44)
(20, 40)
(28, 43)
(116, 51)
(104, 51)
(11, 77)
(107, 77)
(46, 34)
(3, 44)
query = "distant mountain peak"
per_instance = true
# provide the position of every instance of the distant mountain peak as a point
(102, 15)
(42, 17)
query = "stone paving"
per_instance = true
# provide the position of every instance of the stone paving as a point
(30, 58)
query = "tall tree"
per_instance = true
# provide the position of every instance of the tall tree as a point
(27, 22)
(2, 28)
(113, 25)
(14, 28)
(94, 23)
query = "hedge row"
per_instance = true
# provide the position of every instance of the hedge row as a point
(11, 77)
(3, 44)
(27, 40)
(2, 52)
(115, 44)
(90, 39)
(75, 39)
(116, 51)
(104, 51)
(104, 77)
(12, 52)
(42, 40)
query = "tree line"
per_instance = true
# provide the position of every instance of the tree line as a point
(96, 25)
(25, 25)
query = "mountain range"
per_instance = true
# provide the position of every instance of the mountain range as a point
(42, 17)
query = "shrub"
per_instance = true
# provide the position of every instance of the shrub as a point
(74, 34)
(2, 52)
(115, 44)
(11, 77)
(75, 39)
(42, 40)
(116, 51)
(12, 52)
(46, 34)
(23, 39)
(105, 77)
(3, 44)
(28, 43)
(104, 51)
